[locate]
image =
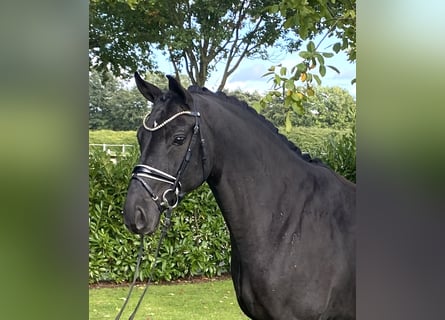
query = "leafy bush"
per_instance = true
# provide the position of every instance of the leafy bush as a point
(196, 244)
(311, 139)
(339, 154)
(111, 246)
(336, 148)
(113, 137)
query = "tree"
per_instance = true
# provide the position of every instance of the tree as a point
(251, 98)
(309, 18)
(112, 106)
(195, 35)
(160, 80)
(127, 111)
(118, 39)
(329, 107)
(99, 97)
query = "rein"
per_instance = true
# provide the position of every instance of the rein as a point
(150, 275)
(144, 171)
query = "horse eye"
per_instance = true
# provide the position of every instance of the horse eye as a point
(179, 140)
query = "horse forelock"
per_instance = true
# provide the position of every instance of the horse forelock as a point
(163, 108)
(242, 104)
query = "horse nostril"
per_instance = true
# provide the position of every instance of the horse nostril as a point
(139, 219)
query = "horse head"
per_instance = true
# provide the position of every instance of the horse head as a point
(172, 156)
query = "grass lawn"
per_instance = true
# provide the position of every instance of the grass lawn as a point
(203, 300)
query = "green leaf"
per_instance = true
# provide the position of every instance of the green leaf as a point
(322, 70)
(327, 54)
(302, 67)
(320, 58)
(310, 92)
(310, 46)
(297, 107)
(292, 21)
(132, 4)
(290, 85)
(334, 68)
(288, 122)
(257, 106)
(305, 54)
(317, 78)
(274, 8)
(336, 47)
(295, 97)
(277, 80)
(267, 74)
(283, 71)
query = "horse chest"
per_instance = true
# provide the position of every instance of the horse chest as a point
(285, 282)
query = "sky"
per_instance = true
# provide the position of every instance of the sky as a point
(248, 76)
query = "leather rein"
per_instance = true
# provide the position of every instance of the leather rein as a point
(142, 172)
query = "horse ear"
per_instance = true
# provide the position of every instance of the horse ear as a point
(149, 91)
(176, 87)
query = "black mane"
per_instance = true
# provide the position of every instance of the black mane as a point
(234, 100)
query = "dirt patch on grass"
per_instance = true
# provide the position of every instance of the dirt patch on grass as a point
(195, 279)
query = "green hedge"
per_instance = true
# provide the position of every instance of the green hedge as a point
(112, 137)
(336, 148)
(311, 139)
(308, 139)
(198, 242)
(339, 153)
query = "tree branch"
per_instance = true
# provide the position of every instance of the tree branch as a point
(228, 70)
(174, 63)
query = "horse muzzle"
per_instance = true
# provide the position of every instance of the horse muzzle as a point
(141, 213)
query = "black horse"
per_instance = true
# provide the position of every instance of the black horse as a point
(291, 218)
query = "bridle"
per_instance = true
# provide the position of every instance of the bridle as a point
(142, 171)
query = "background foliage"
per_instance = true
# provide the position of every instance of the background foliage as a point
(329, 107)
(114, 106)
(113, 137)
(336, 18)
(198, 35)
(312, 140)
(198, 242)
(194, 35)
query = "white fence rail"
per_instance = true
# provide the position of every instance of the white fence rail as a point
(113, 150)
(109, 148)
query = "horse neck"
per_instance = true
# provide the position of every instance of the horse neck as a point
(252, 169)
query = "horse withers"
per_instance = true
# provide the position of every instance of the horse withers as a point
(291, 218)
